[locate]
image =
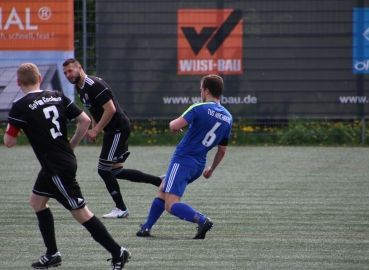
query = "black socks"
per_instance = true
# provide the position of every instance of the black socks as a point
(112, 185)
(136, 176)
(46, 226)
(101, 235)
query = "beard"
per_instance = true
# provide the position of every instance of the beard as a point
(76, 79)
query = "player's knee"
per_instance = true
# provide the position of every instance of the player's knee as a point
(37, 206)
(103, 169)
(33, 205)
(82, 215)
(168, 206)
(100, 172)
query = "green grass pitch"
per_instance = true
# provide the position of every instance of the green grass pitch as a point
(272, 207)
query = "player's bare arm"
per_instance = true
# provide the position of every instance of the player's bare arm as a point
(109, 111)
(217, 159)
(176, 125)
(10, 136)
(93, 122)
(82, 127)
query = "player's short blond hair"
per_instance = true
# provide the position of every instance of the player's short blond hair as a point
(28, 74)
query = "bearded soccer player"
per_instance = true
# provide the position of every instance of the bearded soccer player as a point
(107, 115)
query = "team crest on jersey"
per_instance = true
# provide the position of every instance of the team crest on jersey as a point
(86, 97)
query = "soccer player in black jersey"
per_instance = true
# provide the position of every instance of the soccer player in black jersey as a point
(107, 116)
(43, 117)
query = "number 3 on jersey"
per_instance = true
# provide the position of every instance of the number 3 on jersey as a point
(54, 120)
(210, 136)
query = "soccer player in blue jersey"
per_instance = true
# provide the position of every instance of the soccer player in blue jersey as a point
(209, 125)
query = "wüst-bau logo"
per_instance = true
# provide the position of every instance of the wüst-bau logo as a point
(208, 65)
(209, 41)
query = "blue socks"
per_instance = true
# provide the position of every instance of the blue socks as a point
(186, 212)
(157, 208)
(180, 210)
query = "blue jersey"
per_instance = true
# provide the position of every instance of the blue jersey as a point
(209, 123)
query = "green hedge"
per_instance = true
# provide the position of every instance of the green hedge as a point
(249, 132)
(301, 132)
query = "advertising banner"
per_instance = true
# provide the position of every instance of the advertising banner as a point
(360, 47)
(209, 40)
(279, 59)
(41, 32)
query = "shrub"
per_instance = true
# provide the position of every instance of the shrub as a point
(247, 132)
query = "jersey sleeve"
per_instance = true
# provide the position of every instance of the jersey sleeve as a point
(101, 93)
(17, 117)
(190, 114)
(72, 109)
(227, 134)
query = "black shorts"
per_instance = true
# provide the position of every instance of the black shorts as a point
(63, 187)
(115, 147)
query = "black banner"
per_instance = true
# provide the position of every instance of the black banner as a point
(279, 59)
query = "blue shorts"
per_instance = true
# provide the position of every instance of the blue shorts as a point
(179, 176)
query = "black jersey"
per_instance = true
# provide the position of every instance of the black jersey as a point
(43, 117)
(94, 93)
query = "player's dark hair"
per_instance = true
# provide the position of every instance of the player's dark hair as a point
(71, 61)
(214, 83)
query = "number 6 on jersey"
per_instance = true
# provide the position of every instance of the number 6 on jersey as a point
(210, 136)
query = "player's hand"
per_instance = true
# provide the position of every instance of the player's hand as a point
(175, 132)
(91, 140)
(91, 135)
(208, 172)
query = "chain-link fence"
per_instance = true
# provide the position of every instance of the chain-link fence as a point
(85, 34)
(246, 131)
